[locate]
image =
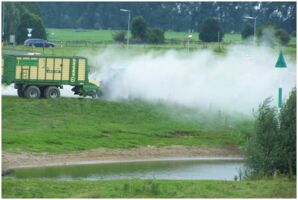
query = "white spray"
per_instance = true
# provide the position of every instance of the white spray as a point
(238, 81)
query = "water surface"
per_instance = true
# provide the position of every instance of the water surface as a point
(179, 169)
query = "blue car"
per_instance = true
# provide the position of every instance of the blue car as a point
(38, 43)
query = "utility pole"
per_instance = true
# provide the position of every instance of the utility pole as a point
(255, 27)
(128, 22)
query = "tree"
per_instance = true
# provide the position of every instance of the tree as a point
(247, 32)
(282, 36)
(119, 37)
(11, 15)
(262, 148)
(210, 30)
(288, 135)
(271, 34)
(272, 147)
(155, 36)
(138, 28)
(30, 20)
(266, 34)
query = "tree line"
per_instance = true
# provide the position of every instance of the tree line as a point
(176, 16)
(159, 17)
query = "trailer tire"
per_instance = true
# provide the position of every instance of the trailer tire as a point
(20, 92)
(32, 92)
(52, 92)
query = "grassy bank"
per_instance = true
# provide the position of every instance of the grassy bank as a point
(72, 124)
(39, 188)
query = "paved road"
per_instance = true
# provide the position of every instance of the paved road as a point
(15, 52)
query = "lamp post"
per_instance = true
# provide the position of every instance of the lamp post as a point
(128, 22)
(255, 25)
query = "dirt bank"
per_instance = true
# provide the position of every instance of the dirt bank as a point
(27, 159)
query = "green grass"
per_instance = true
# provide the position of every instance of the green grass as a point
(73, 124)
(100, 36)
(98, 40)
(138, 49)
(106, 36)
(42, 188)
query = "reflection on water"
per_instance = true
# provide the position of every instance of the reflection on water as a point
(186, 169)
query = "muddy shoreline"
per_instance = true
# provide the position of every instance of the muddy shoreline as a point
(104, 155)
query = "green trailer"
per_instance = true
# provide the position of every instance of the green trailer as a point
(42, 76)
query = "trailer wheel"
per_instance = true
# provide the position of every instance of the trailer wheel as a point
(20, 92)
(32, 92)
(52, 92)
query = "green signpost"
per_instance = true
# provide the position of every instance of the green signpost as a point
(281, 63)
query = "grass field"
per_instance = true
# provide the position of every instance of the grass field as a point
(106, 36)
(72, 124)
(101, 36)
(41, 188)
(74, 42)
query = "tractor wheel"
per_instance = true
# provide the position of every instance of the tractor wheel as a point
(99, 92)
(52, 92)
(20, 92)
(93, 95)
(32, 92)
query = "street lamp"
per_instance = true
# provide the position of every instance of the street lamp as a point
(125, 10)
(255, 25)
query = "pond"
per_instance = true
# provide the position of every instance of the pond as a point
(182, 169)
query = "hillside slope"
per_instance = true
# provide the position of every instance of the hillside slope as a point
(74, 124)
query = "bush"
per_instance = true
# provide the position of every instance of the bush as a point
(262, 149)
(247, 32)
(288, 135)
(155, 36)
(266, 34)
(293, 34)
(119, 37)
(210, 29)
(270, 34)
(138, 28)
(282, 36)
(271, 148)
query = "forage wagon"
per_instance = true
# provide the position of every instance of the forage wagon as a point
(40, 76)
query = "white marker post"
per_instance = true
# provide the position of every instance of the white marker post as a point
(281, 63)
(29, 32)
